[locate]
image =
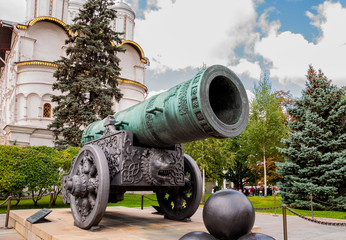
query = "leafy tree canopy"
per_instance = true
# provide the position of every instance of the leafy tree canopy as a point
(266, 127)
(211, 154)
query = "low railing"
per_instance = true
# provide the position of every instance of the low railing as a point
(142, 201)
(10, 198)
(284, 216)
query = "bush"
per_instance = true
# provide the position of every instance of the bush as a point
(39, 169)
(12, 177)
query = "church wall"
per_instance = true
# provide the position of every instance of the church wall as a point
(49, 39)
(28, 135)
(27, 48)
(129, 28)
(35, 74)
(41, 137)
(73, 9)
(58, 9)
(119, 26)
(33, 102)
(139, 73)
(131, 58)
(8, 82)
(124, 23)
(35, 80)
(33, 105)
(27, 86)
(30, 9)
(21, 107)
(53, 8)
(43, 8)
(132, 94)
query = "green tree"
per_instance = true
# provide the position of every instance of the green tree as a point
(238, 169)
(316, 148)
(87, 77)
(41, 170)
(266, 127)
(213, 157)
(12, 176)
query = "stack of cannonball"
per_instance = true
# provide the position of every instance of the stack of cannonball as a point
(227, 215)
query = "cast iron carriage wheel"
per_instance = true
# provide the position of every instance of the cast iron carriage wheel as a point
(182, 202)
(90, 187)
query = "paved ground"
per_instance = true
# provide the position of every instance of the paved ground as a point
(298, 229)
(124, 222)
(8, 234)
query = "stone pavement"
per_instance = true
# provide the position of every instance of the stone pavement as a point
(133, 223)
(298, 228)
(8, 233)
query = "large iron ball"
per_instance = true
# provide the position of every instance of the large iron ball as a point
(228, 214)
(256, 236)
(197, 235)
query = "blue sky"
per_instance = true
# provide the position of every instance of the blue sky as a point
(280, 37)
(292, 15)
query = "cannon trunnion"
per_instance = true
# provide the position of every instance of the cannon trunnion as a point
(141, 148)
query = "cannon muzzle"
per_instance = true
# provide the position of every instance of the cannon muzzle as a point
(212, 104)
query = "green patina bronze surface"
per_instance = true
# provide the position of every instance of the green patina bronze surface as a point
(212, 104)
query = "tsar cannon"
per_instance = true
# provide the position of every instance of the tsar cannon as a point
(141, 149)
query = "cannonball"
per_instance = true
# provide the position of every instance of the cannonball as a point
(197, 235)
(228, 214)
(256, 236)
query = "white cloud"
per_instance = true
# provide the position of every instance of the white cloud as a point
(188, 33)
(153, 93)
(249, 93)
(266, 26)
(290, 54)
(244, 67)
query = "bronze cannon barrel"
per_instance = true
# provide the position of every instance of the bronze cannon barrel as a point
(212, 104)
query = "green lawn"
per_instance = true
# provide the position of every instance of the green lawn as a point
(134, 200)
(261, 202)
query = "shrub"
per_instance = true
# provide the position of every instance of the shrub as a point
(39, 169)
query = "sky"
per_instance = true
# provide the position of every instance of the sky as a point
(251, 37)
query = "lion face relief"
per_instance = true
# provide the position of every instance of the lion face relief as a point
(157, 167)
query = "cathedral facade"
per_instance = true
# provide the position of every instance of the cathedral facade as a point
(27, 54)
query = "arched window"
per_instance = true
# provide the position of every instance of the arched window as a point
(47, 110)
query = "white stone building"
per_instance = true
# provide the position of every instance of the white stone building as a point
(27, 52)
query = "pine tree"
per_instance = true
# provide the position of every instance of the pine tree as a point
(316, 148)
(87, 77)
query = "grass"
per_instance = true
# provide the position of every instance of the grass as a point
(261, 202)
(134, 200)
(29, 204)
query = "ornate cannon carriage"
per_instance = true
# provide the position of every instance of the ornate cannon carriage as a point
(140, 148)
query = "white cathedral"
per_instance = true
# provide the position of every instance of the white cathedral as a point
(27, 53)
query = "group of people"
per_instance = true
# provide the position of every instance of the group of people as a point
(259, 191)
(254, 190)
